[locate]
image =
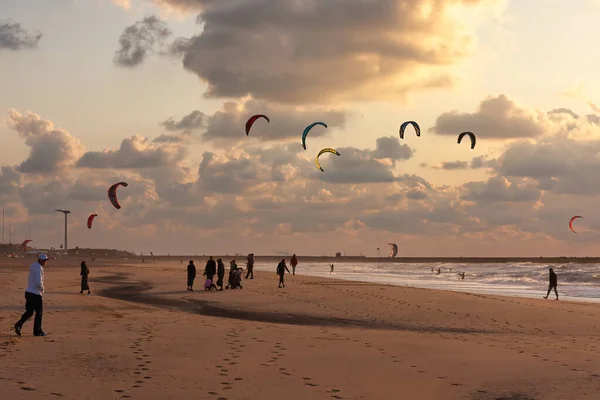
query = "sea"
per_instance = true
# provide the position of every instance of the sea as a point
(576, 282)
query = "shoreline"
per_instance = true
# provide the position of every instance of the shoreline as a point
(399, 260)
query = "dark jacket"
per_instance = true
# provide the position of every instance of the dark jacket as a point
(220, 269)
(553, 279)
(294, 261)
(211, 268)
(84, 270)
(281, 268)
(191, 270)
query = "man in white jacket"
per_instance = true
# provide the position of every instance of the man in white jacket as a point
(33, 297)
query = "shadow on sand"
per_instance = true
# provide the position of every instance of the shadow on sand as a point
(137, 292)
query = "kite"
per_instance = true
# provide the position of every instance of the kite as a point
(24, 244)
(112, 194)
(254, 118)
(394, 250)
(471, 135)
(90, 220)
(328, 150)
(414, 124)
(571, 222)
(307, 129)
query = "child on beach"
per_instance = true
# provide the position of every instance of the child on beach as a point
(208, 285)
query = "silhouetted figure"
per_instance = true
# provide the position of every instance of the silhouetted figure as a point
(293, 263)
(191, 275)
(331, 267)
(553, 284)
(461, 275)
(439, 271)
(250, 266)
(220, 273)
(33, 297)
(85, 271)
(211, 268)
(281, 268)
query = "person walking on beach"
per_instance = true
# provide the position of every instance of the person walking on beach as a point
(220, 273)
(211, 268)
(553, 284)
(191, 275)
(33, 297)
(250, 266)
(85, 271)
(281, 268)
(293, 263)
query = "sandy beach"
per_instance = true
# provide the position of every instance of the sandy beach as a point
(141, 335)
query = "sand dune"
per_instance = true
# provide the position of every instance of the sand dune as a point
(141, 335)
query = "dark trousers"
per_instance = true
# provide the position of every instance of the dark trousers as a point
(281, 280)
(33, 303)
(250, 272)
(84, 283)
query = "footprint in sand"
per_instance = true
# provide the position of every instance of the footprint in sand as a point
(26, 388)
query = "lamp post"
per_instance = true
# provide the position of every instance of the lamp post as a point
(66, 212)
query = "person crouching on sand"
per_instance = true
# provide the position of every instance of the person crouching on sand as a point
(85, 271)
(191, 275)
(281, 268)
(293, 263)
(553, 284)
(208, 285)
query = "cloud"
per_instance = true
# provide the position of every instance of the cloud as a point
(14, 37)
(51, 149)
(496, 118)
(191, 122)
(139, 40)
(286, 122)
(295, 52)
(364, 166)
(501, 189)
(135, 152)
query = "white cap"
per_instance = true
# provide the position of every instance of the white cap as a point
(42, 256)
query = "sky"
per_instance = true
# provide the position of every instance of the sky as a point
(156, 93)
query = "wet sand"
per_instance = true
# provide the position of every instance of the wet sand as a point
(141, 335)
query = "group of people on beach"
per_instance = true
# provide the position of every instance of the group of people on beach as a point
(35, 283)
(234, 281)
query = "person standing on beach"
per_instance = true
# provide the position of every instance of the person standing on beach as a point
(85, 271)
(281, 268)
(33, 297)
(553, 284)
(331, 269)
(250, 266)
(293, 263)
(211, 268)
(191, 275)
(220, 273)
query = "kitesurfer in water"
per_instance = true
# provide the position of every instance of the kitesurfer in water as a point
(250, 266)
(461, 275)
(439, 271)
(293, 263)
(191, 275)
(211, 268)
(220, 273)
(281, 268)
(85, 271)
(553, 284)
